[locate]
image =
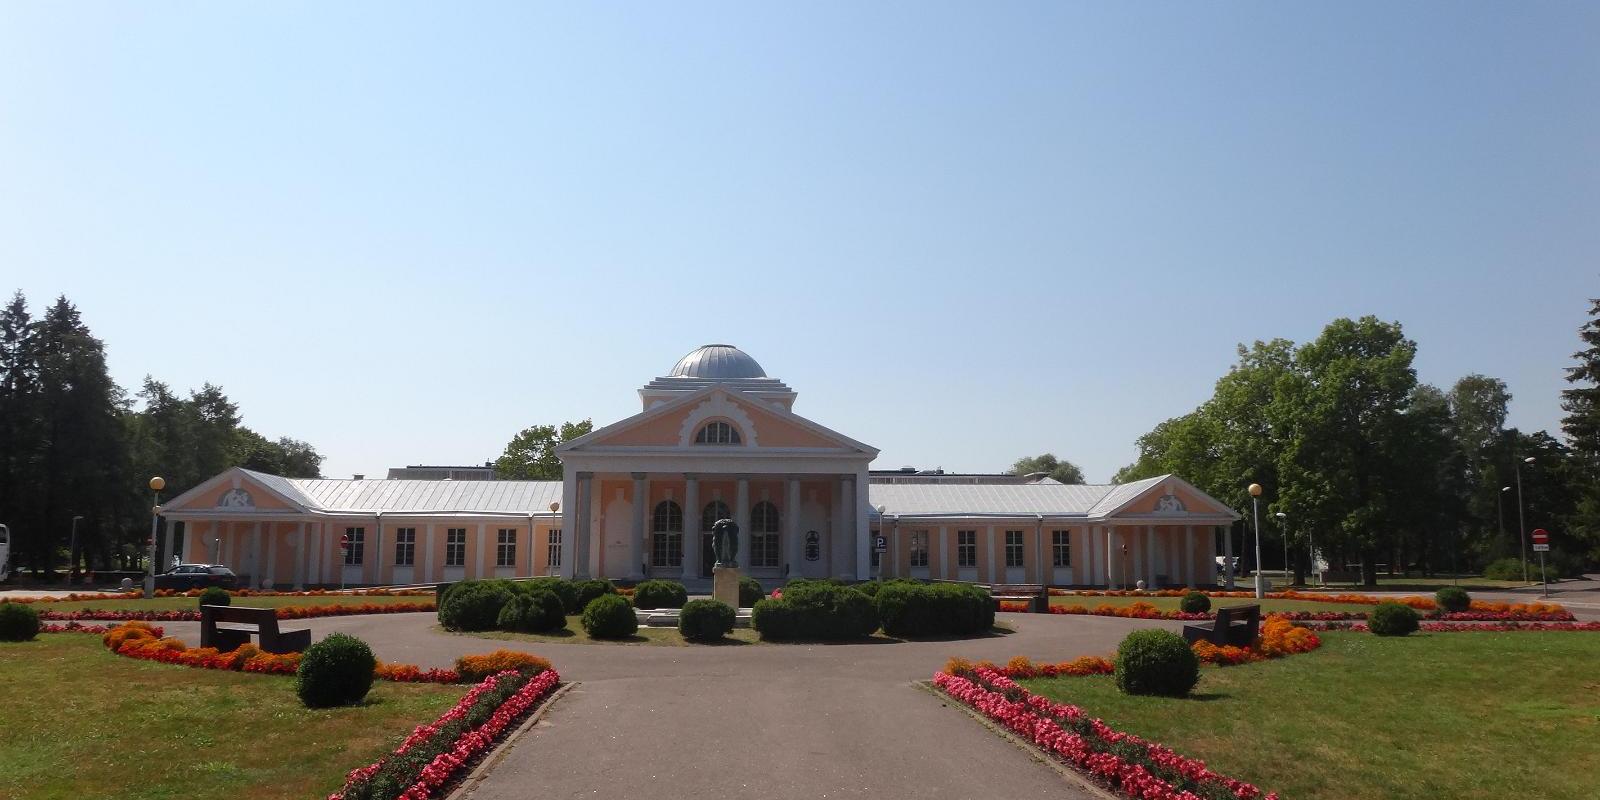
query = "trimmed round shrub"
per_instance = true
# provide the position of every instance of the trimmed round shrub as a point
(1393, 619)
(215, 596)
(705, 620)
(336, 671)
(533, 611)
(750, 591)
(474, 605)
(659, 594)
(18, 622)
(1195, 603)
(610, 617)
(815, 611)
(585, 592)
(564, 589)
(1453, 599)
(909, 609)
(1156, 662)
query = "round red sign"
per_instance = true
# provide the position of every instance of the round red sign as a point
(1541, 536)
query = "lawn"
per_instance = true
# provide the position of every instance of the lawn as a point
(1458, 715)
(193, 603)
(1171, 603)
(78, 722)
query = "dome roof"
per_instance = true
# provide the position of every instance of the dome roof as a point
(718, 362)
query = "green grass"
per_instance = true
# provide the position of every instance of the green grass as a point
(1171, 603)
(193, 603)
(80, 722)
(1458, 715)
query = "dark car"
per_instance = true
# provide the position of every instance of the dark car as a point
(197, 576)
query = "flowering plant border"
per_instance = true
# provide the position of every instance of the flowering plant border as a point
(283, 612)
(83, 597)
(453, 740)
(1493, 626)
(1122, 762)
(1497, 612)
(146, 642)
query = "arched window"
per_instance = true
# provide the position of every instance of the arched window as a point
(666, 537)
(764, 535)
(715, 510)
(717, 433)
(668, 517)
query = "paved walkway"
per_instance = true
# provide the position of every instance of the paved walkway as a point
(755, 721)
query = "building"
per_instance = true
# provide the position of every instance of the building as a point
(716, 438)
(428, 472)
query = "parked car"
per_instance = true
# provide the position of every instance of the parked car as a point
(197, 576)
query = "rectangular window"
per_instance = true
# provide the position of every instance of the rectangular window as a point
(405, 546)
(764, 550)
(355, 546)
(505, 553)
(666, 549)
(919, 548)
(455, 547)
(552, 555)
(966, 548)
(1061, 548)
(1013, 548)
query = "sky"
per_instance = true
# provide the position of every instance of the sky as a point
(964, 233)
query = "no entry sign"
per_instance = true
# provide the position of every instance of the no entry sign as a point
(1541, 540)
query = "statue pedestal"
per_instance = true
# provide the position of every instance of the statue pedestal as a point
(725, 585)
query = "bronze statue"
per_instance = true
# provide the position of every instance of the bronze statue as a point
(725, 542)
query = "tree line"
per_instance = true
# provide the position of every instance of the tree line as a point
(74, 444)
(1378, 468)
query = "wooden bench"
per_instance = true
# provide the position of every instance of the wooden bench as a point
(1035, 595)
(1235, 625)
(264, 622)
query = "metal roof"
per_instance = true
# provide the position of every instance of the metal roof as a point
(1049, 499)
(719, 362)
(416, 496)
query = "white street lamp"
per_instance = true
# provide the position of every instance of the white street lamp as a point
(1255, 508)
(156, 485)
(1522, 527)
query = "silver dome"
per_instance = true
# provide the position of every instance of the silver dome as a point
(718, 362)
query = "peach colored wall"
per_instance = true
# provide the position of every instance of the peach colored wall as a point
(659, 431)
(771, 430)
(259, 495)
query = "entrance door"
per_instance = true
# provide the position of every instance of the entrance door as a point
(708, 556)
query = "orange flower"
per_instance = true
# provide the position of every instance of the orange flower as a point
(478, 667)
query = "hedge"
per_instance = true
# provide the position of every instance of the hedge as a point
(937, 609)
(659, 594)
(815, 611)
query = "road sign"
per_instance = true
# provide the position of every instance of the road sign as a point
(880, 544)
(1540, 536)
(1541, 548)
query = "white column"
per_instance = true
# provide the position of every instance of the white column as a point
(691, 527)
(856, 508)
(791, 525)
(838, 542)
(255, 555)
(945, 566)
(988, 549)
(301, 554)
(427, 554)
(1150, 556)
(741, 516)
(1113, 563)
(580, 532)
(483, 552)
(641, 500)
(1188, 560)
(272, 555)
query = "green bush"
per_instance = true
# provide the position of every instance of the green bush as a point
(1195, 603)
(18, 622)
(908, 608)
(1507, 569)
(567, 590)
(534, 611)
(816, 611)
(215, 596)
(750, 590)
(1452, 599)
(705, 620)
(660, 594)
(1156, 662)
(1393, 619)
(586, 591)
(336, 671)
(610, 617)
(474, 605)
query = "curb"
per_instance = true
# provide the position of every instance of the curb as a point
(470, 783)
(1071, 775)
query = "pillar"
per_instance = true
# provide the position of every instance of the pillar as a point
(1150, 557)
(301, 555)
(1113, 564)
(1188, 552)
(484, 546)
(741, 516)
(580, 534)
(255, 555)
(427, 554)
(791, 526)
(855, 509)
(691, 527)
(641, 499)
(946, 567)
(272, 556)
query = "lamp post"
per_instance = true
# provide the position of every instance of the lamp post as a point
(1283, 525)
(72, 548)
(1500, 510)
(156, 485)
(1522, 527)
(1255, 508)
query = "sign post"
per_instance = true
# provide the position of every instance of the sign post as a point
(1541, 545)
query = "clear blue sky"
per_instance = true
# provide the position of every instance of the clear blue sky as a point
(964, 233)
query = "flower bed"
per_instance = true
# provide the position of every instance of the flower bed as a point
(1279, 638)
(78, 597)
(75, 627)
(437, 752)
(1445, 627)
(1120, 761)
(285, 612)
(1493, 612)
(143, 641)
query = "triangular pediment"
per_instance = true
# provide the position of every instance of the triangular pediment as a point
(236, 490)
(1167, 497)
(673, 425)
